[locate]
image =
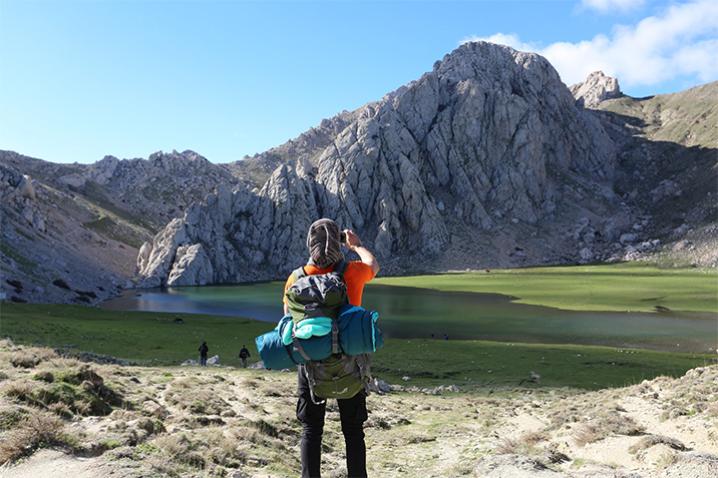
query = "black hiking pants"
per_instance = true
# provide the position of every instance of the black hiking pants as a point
(352, 413)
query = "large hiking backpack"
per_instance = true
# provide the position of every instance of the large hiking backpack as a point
(322, 295)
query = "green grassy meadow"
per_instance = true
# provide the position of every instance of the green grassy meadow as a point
(145, 337)
(629, 287)
(154, 338)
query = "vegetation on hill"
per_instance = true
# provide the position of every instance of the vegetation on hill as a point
(169, 339)
(611, 287)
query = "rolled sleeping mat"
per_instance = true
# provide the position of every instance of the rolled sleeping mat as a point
(359, 333)
(277, 356)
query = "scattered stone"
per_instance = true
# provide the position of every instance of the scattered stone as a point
(628, 238)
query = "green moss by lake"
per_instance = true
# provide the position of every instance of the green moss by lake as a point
(157, 338)
(630, 287)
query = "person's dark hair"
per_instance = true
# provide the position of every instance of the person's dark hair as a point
(324, 243)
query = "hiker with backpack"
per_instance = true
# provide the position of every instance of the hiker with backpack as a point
(318, 289)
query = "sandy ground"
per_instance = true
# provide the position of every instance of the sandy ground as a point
(192, 422)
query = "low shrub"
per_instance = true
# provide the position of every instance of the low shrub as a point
(10, 416)
(44, 376)
(39, 430)
(24, 359)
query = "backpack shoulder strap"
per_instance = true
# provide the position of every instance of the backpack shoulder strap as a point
(341, 267)
(299, 273)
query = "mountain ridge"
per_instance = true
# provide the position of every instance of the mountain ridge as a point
(433, 169)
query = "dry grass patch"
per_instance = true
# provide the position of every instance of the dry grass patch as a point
(30, 357)
(652, 440)
(40, 430)
(80, 391)
(526, 444)
(606, 423)
(195, 396)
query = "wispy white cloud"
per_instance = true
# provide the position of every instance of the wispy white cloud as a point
(607, 6)
(680, 42)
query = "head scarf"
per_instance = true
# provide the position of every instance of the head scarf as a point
(324, 243)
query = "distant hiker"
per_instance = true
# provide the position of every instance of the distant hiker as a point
(327, 261)
(203, 350)
(243, 356)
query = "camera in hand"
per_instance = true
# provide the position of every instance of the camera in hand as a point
(343, 237)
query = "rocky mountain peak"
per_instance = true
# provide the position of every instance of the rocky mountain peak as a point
(596, 88)
(484, 141)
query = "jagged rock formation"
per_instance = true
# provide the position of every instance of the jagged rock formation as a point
(82, 224)
(148, 192)
(306, 147)
(596, 88)
(489, 140)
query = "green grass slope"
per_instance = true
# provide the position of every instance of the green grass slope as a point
(615, 287)
(687, 117)
(154, 338)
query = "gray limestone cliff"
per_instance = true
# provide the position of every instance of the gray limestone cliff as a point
(475, 155)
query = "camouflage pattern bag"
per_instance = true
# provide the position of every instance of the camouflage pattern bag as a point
(340, 376)
(322, 295)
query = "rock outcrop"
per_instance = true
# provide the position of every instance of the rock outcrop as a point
(82, 223)
(597, 88)
(489, 140)
(148, 192)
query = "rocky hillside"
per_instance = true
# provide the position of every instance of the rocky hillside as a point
(484, 161)
(306, 147)
(61, 417)
(488, 160)
(668, 171)
(72, 232)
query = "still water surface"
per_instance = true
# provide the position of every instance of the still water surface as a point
(408, 312)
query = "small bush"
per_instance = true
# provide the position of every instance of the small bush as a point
(24, 359)
(587, 434)
(61, 410)
(11, 416)
(44, 376)
(652, 440)
(36, 431)
(20, 390)
(265, 428)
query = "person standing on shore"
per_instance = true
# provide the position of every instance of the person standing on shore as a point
(203, 351)
(244, 355)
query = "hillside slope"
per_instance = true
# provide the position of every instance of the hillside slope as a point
(111, 420)
(669, 170)
(72, 232)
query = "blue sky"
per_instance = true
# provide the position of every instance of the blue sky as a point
(79, 80)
